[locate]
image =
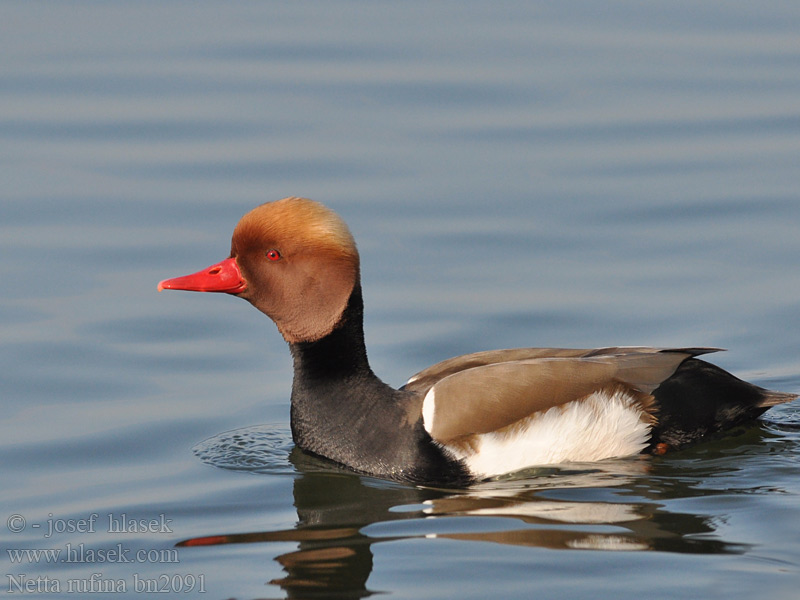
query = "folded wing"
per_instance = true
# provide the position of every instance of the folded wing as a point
(488, 391)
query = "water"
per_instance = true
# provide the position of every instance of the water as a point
(515, 174)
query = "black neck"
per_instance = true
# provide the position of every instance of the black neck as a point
(340, 355)
(334, 388)
(342, 411)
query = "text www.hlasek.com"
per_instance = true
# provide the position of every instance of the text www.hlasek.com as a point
(79, 553)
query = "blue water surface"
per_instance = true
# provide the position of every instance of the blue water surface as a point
(515, 174)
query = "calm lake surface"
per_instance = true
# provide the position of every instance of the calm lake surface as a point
(516, 174)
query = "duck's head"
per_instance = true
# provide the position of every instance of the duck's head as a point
(294, 260)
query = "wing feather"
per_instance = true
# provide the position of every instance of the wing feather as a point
(486, 397)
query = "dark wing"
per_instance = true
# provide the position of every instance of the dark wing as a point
(425, 379)
(480, 399)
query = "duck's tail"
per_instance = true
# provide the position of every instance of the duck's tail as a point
(770, 398)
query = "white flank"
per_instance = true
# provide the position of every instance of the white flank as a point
(427, 410)
(601, 426)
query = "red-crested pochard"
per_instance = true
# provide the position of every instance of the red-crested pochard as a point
(468, 417)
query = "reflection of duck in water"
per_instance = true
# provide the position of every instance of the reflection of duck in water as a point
(469, 417)
(612, 506)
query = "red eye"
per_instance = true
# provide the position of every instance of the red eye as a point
(273, 255)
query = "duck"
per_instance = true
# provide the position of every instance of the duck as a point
(467, 418)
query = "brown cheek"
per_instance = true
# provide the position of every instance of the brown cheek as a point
(257, 290)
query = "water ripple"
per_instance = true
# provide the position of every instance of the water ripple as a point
(258, 448)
